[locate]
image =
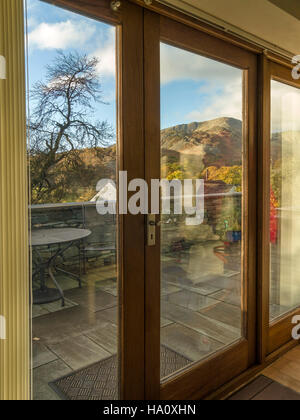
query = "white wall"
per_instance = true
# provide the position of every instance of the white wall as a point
(257, 17)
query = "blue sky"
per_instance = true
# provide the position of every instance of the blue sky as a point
(193, 88)
(51, 29)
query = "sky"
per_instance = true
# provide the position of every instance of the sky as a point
(196, 88)
(193, 88)
(51, 29)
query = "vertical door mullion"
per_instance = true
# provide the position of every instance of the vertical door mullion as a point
(132, 235)
(152, 169)
(250, 206)
(263, 244)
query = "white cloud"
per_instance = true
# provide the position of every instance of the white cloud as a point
(60, 35)
(178, 64)
(106, 53)
(227, 102)
(220, 89)
(220, 85)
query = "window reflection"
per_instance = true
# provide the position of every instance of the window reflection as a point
(285, 200)
(201, 265)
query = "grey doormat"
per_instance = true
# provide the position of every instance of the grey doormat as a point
(100, 381)
(265, 389)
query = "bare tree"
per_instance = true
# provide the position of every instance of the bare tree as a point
(63, 122)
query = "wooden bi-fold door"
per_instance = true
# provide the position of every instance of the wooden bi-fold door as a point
(96, 98)
(280, 173)
(166, 306)
(200, 125)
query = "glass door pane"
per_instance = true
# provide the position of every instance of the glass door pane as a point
(202, 139)
(74, 240)
(284, 200)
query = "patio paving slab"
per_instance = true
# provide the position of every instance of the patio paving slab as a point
(224, 312)
(93, 300)
(169, 288)
(79, 352)
(228, 296)
(108, 285)
(45, 374)
(66, 283)
(203, 290)
(41, 355)
(187, 342)
(57, 326)
(110, 314)
(175, 274)
(164, 322)
(214, 329)
(190, 300)
(223, 282)
(103, 271)
(38, 310)
(91, 279)
(106, 336)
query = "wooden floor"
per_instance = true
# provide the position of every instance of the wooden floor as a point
(286, 370)
(279, 382)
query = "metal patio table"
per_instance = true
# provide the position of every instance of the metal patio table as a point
(63, 238)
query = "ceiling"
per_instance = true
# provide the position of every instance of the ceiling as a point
(258, 20)
(289, 6)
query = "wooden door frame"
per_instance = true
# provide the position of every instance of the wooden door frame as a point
(152, 164)
(128, 21)
(278, 333)
(197, 381)
(140, 376)
(14, 264)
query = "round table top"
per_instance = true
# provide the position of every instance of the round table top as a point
(42, 237)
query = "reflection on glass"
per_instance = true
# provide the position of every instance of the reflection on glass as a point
(201, 264)
(284, 200)
(72, 132)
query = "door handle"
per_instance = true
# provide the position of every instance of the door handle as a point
(152, 224)
(151, 229)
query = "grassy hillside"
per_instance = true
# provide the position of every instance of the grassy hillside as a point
(211, 149)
